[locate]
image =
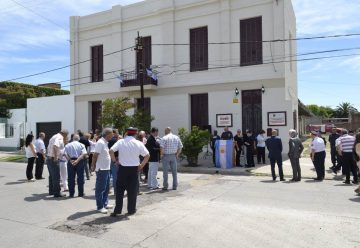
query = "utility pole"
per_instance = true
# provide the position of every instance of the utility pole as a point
(140, 70)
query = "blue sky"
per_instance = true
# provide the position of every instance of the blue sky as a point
(31, 44)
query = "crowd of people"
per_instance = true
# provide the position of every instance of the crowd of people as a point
(109, 156)
(344, 144)
(122, 160)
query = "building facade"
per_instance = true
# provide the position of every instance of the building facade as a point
(218, 62)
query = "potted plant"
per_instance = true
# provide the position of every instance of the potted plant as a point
(193, 143)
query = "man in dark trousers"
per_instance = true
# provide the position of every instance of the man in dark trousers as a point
(83, 140)
(129, 150)
(239, 142)
(212, 145)
(274, 145)
(249, 142)
(332, 138)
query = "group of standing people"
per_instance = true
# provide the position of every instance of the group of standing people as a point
(246, 144)
(108, 155)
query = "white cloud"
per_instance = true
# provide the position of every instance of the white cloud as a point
(326, 17)
(353, 63)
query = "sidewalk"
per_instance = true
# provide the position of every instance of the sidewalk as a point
(206, 167)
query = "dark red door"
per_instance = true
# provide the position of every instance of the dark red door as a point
(200, 111)
(96, 112)
(252, 110)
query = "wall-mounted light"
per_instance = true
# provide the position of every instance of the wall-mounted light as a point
(263, 89)
(237, 92)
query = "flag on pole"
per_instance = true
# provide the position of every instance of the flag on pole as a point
(120, 77)
(151, 73)
(224, 154)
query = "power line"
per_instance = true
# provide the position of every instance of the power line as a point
(260, 41)
(63, 67)
(306, 38)
(43, 17)
(182, 64)
(229, 66)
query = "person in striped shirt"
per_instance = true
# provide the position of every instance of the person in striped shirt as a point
(346, 150)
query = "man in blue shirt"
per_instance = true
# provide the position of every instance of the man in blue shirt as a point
(274, 145)
(75, 153)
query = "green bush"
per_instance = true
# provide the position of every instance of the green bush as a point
(193, 143)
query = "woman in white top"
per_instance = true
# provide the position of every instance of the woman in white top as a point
(63, 167)
(356, 152)
(30, 153)
(260, 147)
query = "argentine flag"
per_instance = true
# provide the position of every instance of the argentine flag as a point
(224, 154)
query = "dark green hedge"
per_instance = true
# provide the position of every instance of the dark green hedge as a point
(14, 95)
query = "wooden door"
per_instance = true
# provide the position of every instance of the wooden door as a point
(96, 112)
(252, 110)
(200, 111)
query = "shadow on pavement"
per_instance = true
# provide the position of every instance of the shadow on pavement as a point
(80, 215)
(357, 199)
(21, 181)
(106, 220)
(44, 196)
(343, 184)
(268, 181)
(312, 181)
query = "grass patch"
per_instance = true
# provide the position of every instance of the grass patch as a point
(16, 158)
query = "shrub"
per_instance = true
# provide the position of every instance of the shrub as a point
(193, 143)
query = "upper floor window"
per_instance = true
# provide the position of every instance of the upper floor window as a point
(199, 49)
(251, 47)
(97, 63)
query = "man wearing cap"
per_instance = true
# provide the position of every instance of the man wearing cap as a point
(274, 145)
(56, 143)
(346, 151)
(41, 154)
(318, 155)
(129, 166)
(170, 150)
(76, 153)
(101, 164)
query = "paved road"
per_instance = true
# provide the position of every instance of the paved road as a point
(206, 211)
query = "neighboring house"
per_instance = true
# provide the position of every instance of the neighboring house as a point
(43, 114)
(205, 51)
(12, 130)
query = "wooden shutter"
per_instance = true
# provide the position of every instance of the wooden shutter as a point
(147, 51)
(252, 110)
(147, 103)
(97, 63)
(251, 41)
(94, 63)
(96, 112)
(200, 110)
(199, 49)
(100, 63)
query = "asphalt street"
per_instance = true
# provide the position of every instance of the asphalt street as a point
(205, 211)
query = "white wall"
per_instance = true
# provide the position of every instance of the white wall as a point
(51, 109)
(169, 22)
(17, 116)
(171, 110)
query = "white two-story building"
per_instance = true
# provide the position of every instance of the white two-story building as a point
(219, 63)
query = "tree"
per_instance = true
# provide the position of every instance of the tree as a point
(321, 111)
(141, 120)
(114, 113)
(344, 109)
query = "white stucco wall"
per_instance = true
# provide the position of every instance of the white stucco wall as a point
(17, 116)
(51, 109)
(171, 110)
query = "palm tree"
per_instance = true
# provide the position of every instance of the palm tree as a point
(344, 109)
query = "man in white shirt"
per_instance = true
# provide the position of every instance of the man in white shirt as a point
(101, 164)
(41, 154)
(318, 155)
(170, 150)
(56, 143)
(129, 166)
(76, 153)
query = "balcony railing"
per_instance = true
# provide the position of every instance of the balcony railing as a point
(130, 79)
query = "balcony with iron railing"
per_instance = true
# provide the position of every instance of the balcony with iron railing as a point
(130, 79)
